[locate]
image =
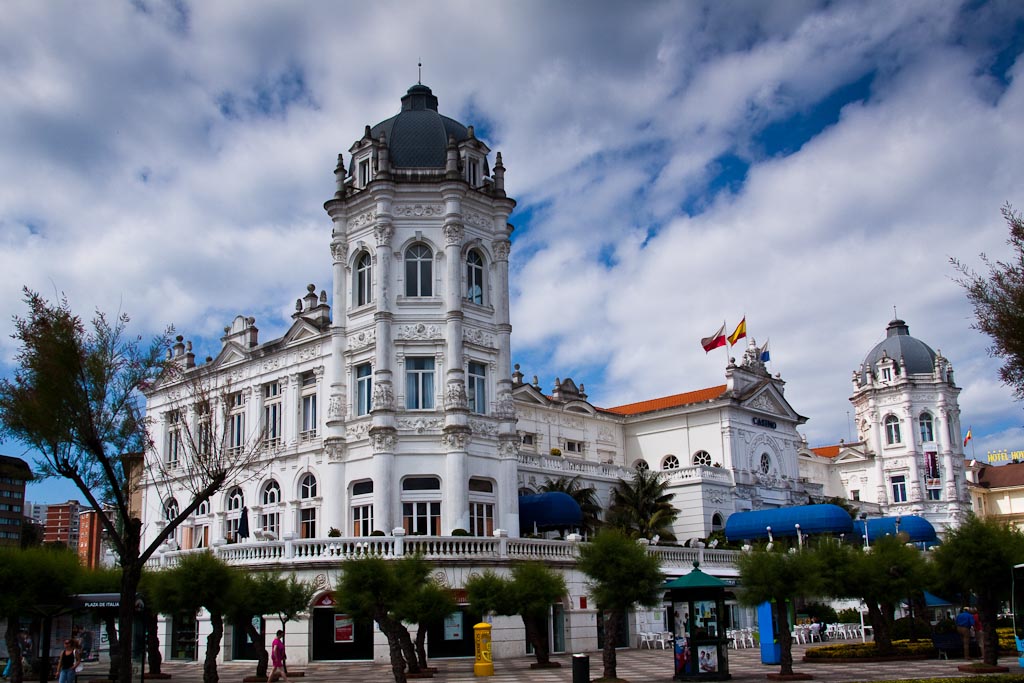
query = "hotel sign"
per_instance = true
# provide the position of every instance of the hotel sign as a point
(1005, 456)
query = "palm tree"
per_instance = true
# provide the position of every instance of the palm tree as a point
(642, 506)
(585, 497)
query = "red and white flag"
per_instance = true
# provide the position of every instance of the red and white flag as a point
(715, 340)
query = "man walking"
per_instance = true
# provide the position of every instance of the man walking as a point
(964, 623)
(277, 658)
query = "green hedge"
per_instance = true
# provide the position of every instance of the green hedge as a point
(901, 648)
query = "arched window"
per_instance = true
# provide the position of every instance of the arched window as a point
(418, 270)
(236, 501)
(670, 462)
(307, 487)
(421, 506)
(717, 523)
(641, 465)
(766, 463)
(271, 493)
(702, 458)
(364, 279)
(202, 509)
(474, 277)
(927, 427)
(170, 510)
(234, 504)
(892, 430)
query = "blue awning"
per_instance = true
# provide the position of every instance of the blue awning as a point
(919, 529)
(554, 510)
(813, 519)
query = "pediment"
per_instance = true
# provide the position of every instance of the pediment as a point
(850, 455)
(579, 407)
(300, 331)
(769, 401)
(527, 393)
(230, 354)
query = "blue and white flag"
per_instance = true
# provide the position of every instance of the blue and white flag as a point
(765, 356)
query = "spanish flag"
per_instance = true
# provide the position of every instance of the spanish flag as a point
(739, 333)
(715, 340)
(968, 437)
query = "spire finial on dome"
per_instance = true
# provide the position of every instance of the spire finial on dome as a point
(419, 72)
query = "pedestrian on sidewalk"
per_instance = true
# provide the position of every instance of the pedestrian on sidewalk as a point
(964, 624)
(277, 657)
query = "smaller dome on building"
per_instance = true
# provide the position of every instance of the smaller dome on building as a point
(911, 355)
(417, 136)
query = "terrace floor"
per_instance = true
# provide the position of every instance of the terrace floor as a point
(638, 666)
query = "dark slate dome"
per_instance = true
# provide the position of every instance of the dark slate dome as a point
(417, 136)
(912, 355)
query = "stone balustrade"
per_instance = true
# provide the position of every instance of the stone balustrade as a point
(456, 549)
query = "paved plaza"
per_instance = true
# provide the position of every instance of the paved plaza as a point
(635, 665)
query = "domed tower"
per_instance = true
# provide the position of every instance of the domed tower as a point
(907, 415)
(421, 424)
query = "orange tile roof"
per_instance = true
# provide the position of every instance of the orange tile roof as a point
(827, 451)
(674, 401)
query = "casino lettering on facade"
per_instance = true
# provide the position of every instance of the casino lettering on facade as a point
(761, 422)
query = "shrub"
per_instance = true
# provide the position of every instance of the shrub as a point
(460, 532)
(901, 628)
(901, 648)
(378, 532)
(848, 616)
(825, 613)
(335, 532)
(556, 451)
(944, 626)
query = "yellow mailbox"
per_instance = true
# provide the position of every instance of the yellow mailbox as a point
(484, 666)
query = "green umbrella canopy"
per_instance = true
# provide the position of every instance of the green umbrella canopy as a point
(696, 579)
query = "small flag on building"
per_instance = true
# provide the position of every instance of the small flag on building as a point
(715, 340)
(765, 356)
(739, 333)
(968, 437)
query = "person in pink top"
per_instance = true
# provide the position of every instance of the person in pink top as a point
(277, 658)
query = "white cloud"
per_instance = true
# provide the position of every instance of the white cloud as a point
(172, 163)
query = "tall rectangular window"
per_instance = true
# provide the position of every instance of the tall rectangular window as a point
(204, 431)
(934, 494)
(364, 172)
(307, 523)
(236, 423)
(362, 520)
(476, 388)
(309, 423)
(271, 522)
(481, 519)
(364, 389)
(419, 384)
(422, 518)
(173, 438)
(899, 488)
(272, 414)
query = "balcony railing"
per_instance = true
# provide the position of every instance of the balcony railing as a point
(461, 549)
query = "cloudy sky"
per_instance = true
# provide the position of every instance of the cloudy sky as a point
(811, 165)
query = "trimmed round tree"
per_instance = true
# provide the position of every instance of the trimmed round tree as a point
(622, 575)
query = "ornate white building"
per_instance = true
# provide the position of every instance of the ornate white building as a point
(908, 459)
(388, 419)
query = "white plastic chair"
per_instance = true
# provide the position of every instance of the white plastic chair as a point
(647, 639)
(664, 639)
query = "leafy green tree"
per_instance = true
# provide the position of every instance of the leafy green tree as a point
(529, 591)
(423, 603)
(32, 577)
(978, 557)
(585, 497)
(642, 507)
(776, 577)
(369, 588)
(622, 574)
(76, 398)
(534, 587)
(998, 302)
(883, 577)
(202, 580)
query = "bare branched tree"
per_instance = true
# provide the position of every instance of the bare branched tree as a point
(76, 399)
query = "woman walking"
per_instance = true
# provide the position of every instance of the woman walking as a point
(70, 658)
